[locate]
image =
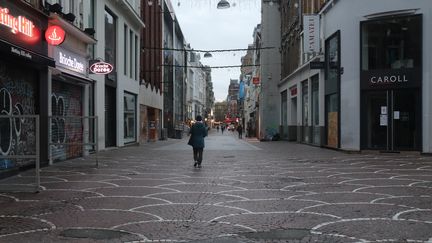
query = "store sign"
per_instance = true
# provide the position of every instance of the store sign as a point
(17, 24)
(101, 68)
(385, 79)
(293, 91)
(21, 52)
(20, 27)
(70, 61)
(311, 33)
(55, 35)
(317, 65)
(256, 80)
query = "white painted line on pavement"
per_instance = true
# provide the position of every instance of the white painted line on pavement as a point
(396, 216)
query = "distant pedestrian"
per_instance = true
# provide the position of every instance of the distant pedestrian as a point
(217, 128)
(240, 131)
(197, 133)
(223, 128)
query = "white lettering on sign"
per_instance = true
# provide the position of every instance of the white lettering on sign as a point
(21, 53)
(389, 79)
(101, 68)
(71, 62)
(18, 24)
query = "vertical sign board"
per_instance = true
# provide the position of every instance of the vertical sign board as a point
(311, 32)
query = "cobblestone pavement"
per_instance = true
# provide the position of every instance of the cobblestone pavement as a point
(247, 191)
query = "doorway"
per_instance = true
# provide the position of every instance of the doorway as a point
(392, 120)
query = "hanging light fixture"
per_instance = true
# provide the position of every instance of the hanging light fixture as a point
(223, 4)
(208, 54)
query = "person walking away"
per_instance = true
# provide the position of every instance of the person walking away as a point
(217, 128)
(197, 133)
(223, 128)
(240, 131)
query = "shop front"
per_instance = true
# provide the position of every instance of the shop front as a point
(391, 83)
(23, 75)
(71, 94)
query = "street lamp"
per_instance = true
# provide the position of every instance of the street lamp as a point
(223, 4)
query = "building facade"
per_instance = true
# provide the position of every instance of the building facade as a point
(269, 112)
(24, 90)
(366, 85)
(301, 88)
(377, 59)
(151, 95)
(118, 32)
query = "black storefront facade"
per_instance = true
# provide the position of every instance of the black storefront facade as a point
(391, 83)
(24, 66)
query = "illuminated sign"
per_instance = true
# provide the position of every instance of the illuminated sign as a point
(70, 61)
(18, 24)
(101, 68)
(55, 35)
(255, 80)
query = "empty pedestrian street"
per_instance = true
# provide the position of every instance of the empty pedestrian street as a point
(246, 191)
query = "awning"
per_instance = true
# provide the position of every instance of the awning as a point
(24, 54)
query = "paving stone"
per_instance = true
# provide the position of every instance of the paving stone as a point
(194, 212)
(117, 202)
(154, 191)
(420, 215)
(95, 218)
(183, 230)
(55, 236)
(129, 191)
(399, 190)
(195, 197)
(341, 197)
(8, 225)
(381, 230)
(53, 195)
(422, 202)
(270, 221)
(75, 185)
(265, 193)
(34, 208)
(272, 205)
(358, 210)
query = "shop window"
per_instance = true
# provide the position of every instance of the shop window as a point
(284, 113)
(315, 110)
(393, 43)
(305, 103)
(129, 118)
(110, 42)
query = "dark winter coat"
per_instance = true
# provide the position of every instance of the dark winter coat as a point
(197, 133)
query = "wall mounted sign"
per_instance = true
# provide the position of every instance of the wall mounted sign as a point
(293, 91)
(55, 35)
(70, 61)
(255, 80)
(317, 65)
(17, 24)
(392, 78)
(311, 32)
(20, 26)
(101, 67)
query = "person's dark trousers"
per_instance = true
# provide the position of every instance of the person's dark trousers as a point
(240, 135)
(198, 155)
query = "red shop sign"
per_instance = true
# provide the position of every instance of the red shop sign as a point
(255, 80)
(293, 91)
(55, 35)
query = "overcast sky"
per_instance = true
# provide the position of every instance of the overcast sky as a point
(207, 28)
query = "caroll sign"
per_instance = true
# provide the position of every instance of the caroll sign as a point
(101, 68)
